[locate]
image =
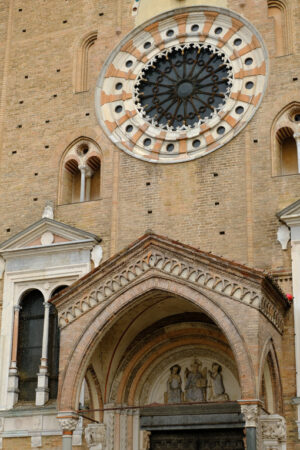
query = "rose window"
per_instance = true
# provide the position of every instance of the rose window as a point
(184, 86)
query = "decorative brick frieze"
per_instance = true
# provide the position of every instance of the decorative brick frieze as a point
(212, 278)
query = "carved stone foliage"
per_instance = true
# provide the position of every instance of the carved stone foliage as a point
(68, 423)
(198, 275)
(273, 428)
(250, 413)
(95, 436)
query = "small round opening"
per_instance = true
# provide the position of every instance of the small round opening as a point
(170, 33)
(129, 128)
(221, 130)
(170, 147)
(248, 61)
(119, 86)
(239, 110)
(237, 42)
(218, 30)
(297, 118)
(195, 27)
(249, 85)
(82, 149)
(196, 143)
(147, 142)
(118, 109)
(147, 45)
(129, 63)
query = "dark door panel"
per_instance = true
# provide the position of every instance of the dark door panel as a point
(198, 440)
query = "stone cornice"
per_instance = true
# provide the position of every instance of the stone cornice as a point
(171, 259)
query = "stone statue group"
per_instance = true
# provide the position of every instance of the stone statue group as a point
(201, 384)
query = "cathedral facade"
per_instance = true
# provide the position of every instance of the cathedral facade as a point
(150, 224)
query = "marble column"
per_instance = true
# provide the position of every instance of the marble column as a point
(13, 379)
(297, 139)
(68, 422)
(42, 390)
(88, 177)
(82, 169)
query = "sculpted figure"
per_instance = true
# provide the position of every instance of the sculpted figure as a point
(196, 383)
(174, 391)
(217, 389)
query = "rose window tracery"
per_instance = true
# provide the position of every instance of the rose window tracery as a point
(182, 84)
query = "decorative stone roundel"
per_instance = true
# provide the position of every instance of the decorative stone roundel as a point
(182, 85)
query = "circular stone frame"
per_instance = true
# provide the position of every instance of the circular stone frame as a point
(218, 29)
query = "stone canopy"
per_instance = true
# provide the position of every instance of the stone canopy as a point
(170, 259)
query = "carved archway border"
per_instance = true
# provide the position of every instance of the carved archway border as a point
(269, 350)
(74, 364)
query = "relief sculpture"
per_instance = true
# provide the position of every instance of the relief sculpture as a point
(201, 384)
(174, 392)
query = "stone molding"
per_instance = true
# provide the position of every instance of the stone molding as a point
(185, 270)
(95, 436)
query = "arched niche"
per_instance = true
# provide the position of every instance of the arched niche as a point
(278, 10)
(82, 67)
(270, 380)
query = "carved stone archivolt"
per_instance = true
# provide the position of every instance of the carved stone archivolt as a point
(184, 270)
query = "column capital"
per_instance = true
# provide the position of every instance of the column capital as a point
(47, 305)
(68, 420)
(297, 136)
(17, 308)
(251, 412)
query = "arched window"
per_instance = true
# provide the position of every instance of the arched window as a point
(286, 141)
(278, 10)
(288, 151)
(30, 343)
(81, 172)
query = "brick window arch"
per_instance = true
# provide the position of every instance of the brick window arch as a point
(80, 175)
(285, 141)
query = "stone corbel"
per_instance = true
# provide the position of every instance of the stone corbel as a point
(95, 436)
(96, 255)
(283, 236)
